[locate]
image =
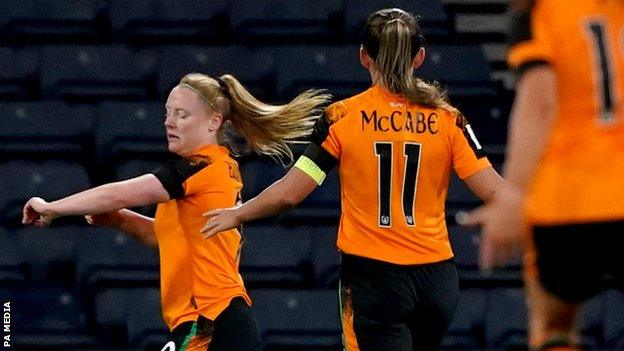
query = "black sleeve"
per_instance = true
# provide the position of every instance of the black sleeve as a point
(321, 130)
(520, 31)
(462, 123)
(321, 157)
(173, 175)
(315, 151)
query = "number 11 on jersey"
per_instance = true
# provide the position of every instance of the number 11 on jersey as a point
(386, 172)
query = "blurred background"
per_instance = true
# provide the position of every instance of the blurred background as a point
(82, 89)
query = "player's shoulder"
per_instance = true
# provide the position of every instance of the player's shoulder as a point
(342, 108)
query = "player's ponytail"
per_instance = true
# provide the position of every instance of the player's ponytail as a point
(392, 37)
(265, 128)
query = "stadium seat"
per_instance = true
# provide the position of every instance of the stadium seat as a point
(45, 129)
(50, 252)
(459, 195)
(325, 256)
(467, 331)
(276, 257)
(162, 21)
(465, 244)
(258, 174)
(254, 68)
(92, 74)
(506, 320)
(447, 65)
(107, 258)
(40, 21)
(126, 131)
(322, 206)
(278, 21)
(46, 318)
(50, 180)
(297, 319)
(614, 320)
(335, 68)
(18, 74)
(12, 261)
(590, 322)
(146, 328)
(433, 19)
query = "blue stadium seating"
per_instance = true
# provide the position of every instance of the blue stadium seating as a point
(459, 194)
(146, 328)
(127, 130)
(258, 175)
(45, 129)
(12, 261)
(162, 21)
(40, 21)
(92, 73)
(590, 322)
(271, 21)
(322, 206)
(253, 67)
(297, 319)
(275, 257)
(18, 74)
(335, 68)
(325, 257)
(465, 244)
(467, 331)
(506, 319)
(50, 252)
(614, 320)
(433, 19)
(45, 318)
(47, 179)
(448, 65)
(108, 258)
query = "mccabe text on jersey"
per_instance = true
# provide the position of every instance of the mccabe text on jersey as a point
(398, 121)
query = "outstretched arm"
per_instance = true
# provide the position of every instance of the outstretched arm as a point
(285, 193)
(139, 191)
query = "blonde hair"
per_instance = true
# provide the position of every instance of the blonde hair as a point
(392, 37)
(267, 129)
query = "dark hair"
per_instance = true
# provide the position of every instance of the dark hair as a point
(392, 37)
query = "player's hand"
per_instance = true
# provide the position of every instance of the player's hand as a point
(37, 212)
(220, 220)
(502, 229)
(108, 220)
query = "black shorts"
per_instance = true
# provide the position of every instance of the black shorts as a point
(397, 307)
(234, 330)
(576, 261)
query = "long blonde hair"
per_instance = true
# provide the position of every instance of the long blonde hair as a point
(267, 129)
(392, 37)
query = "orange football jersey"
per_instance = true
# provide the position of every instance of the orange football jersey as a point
(395, 160)
(579, 177)
(198, 276)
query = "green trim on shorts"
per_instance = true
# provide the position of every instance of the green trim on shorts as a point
(344, 343)
(310, 168)
(188, 338)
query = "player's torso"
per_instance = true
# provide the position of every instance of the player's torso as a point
(394, 172)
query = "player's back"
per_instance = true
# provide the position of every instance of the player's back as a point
(395, 161)
(579, 176)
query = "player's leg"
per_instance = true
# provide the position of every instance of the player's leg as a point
(563, 269)
(376, 303)
(437, 285)
(235, 329)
